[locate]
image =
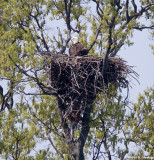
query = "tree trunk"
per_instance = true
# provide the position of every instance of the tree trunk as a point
(77, 151)
(75, 146)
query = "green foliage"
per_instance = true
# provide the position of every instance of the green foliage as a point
(17, 136)
(28, 27)
(140, 122)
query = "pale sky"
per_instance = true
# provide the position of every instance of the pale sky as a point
(140, 56)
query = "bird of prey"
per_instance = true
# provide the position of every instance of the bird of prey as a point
(77, 49)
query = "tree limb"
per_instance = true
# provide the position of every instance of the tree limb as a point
(64, 125)
(108, 51)
(135, 6)
(36, 79)
(49, 138)
(128, 19)
(84, 130)
(98, 9)
(43, 123)
(68, 12)
(143, 27)
(96, 36)
(127, 11)
(105, 139)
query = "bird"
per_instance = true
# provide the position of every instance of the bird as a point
(77, 49)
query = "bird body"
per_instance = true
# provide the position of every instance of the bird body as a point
(77, 49)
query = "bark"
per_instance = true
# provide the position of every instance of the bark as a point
(79, 146)
(76, 146)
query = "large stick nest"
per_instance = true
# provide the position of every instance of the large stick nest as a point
(78, 80)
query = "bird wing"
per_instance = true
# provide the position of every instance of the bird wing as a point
(75, 49)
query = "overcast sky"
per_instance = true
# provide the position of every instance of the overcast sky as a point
(140, 56)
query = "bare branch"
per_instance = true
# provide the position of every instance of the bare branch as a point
(135, 6)
(117, 2)
(96, 36)
(127, 11)
(143, 27)
(68, 12)
(65, 44)
(108, 51)
(75, 30)
(41, 30)
(98, 9)
(124, 26)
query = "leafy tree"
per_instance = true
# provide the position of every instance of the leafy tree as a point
(140, 122)
(29, 112)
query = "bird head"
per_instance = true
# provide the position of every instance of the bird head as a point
(75, 40)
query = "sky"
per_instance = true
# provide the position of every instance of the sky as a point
(140, 56)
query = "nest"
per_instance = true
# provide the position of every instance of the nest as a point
(78, 80)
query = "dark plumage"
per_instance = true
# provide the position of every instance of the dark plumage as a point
(77, 49)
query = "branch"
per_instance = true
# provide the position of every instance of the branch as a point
(65, 44)
(144, 27)
(17, 149)
(7, 99)
(98, 9)
(96, 36)
(105, 138)
(41, 30)
(55, 147)
(95, 157)
(126, 141)
(36, 79)
(75, 30)
(108, 51)
(129, 18)
(68, 12)
(64, 125)
(117, 2)
(127, 11)
(36, 94)
(135, 6)
(143, 9)
(22, 27)
(43, 123)
(85, 126)
(115, 49)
